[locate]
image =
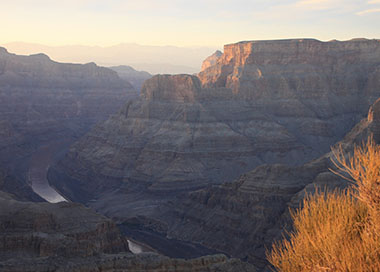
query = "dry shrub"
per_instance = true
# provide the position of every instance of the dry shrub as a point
(338, 230)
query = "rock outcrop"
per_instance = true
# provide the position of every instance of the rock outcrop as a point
(65, 229)
(42, 100)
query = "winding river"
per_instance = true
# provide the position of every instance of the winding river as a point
(39, 165)
(139, 240)
(37, 172)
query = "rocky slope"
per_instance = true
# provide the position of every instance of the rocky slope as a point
(42, 100)
(260, 102)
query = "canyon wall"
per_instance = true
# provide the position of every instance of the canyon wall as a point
(42, 100)
(259, 102)
(227, 152)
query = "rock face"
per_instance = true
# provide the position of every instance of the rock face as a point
(42, 100)
(211, 60)
(136, 78)
(260, 102)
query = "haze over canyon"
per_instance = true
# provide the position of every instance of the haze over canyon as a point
(116, 169)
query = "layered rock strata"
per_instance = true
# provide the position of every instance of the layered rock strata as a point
(30, 230)
(259, 102)
(178, 136)
(278, 104)
(253, 210)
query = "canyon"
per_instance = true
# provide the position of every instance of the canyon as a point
(261, 102)
(45, 107)
(42, 101)
(227, 152)
(207, 163)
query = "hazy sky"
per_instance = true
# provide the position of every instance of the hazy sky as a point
(184, 22)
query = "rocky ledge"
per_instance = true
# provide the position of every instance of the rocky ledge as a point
(65, 229)
(46, 237)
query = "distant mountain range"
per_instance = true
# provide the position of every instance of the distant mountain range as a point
(153, 59)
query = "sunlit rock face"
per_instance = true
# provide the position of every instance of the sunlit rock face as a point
(211, 60)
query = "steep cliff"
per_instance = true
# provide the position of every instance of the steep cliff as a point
(260, 102)
(177, 136)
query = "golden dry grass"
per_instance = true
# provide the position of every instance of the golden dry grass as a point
(339, 230)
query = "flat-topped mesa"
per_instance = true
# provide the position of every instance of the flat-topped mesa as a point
(253, 63)
(173, 88)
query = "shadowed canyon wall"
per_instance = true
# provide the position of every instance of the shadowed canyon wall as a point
(42, 101)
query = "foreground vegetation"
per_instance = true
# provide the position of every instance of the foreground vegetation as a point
(338, 230)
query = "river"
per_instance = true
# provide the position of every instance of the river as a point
(37, 172)
(139, 240)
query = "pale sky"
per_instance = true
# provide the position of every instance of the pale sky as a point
(184, 22)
